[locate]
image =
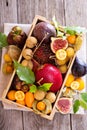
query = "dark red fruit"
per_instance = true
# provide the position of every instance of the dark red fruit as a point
(44, 30)
(43, 53)
(49, 74)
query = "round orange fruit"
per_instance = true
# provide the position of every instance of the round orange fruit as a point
(69, 80)
(81, 84)
(41, 106)
(29, 99)
(19, 95)
(11, 95)
(71, 39)
(21, 102)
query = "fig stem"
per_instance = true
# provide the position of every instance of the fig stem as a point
(40, 43)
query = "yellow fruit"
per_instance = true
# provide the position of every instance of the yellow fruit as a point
(71, 39)
(41, 106)
(19, 96)
(61, 54)
(29, 99)
(11, 95)
(62, 62)
(75, 85)
(21, 102)
(70, 52)
(63, 68)
(69, 80)
(81, 83)
(7, 58)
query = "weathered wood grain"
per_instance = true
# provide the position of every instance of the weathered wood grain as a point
(8, 119)
(35, 122)
(75, 14)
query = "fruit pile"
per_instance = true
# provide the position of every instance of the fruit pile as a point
(16, 40)
(73, 85)
(43, 66)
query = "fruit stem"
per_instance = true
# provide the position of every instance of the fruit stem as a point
(38, 82)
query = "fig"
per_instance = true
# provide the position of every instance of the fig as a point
(49, 73)
(17, 37)
(64, 105)
(44, 31)
(58, 43)
(79, 68)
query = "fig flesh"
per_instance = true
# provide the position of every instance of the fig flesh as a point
(79, 68)
(44, 30)
(58, 43)
(49, 74)
(64, 105)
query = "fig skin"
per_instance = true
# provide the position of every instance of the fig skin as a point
(17, 37)
(79, 68)
(42, 30)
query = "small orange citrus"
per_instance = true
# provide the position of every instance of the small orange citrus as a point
(69, 80)
(21, 102)
(29, 99)
(81, 82)
(71, 39)
(11, 95)
(41, 106)
(19, 95)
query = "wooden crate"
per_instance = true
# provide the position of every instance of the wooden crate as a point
(4, 99)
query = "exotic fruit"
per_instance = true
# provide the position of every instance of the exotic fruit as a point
(58, 43)
(17, 37)
(44, 31)
(64, 105)
(49, 74)
(79, 68)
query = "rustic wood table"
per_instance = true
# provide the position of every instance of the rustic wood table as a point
(67, 12)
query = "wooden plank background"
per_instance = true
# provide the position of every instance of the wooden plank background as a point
(67, 12)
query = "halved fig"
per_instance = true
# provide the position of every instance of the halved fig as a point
(64, 105)
(58, 43)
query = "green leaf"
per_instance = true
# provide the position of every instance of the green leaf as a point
(3, 40)
(83, 104)
(73, 30)
(45, 86)
(76, 106)
(24, 73)
(33, 88)
(84, 96)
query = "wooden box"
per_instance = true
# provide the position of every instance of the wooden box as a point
(4, 99)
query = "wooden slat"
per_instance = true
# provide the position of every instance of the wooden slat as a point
(35, 122)
(8, 13)
(10, 120)
(75, 14)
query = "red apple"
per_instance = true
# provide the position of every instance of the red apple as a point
(49, 74)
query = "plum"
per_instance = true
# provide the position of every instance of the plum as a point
(49, 73)
(44, 30)
(79, 68)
